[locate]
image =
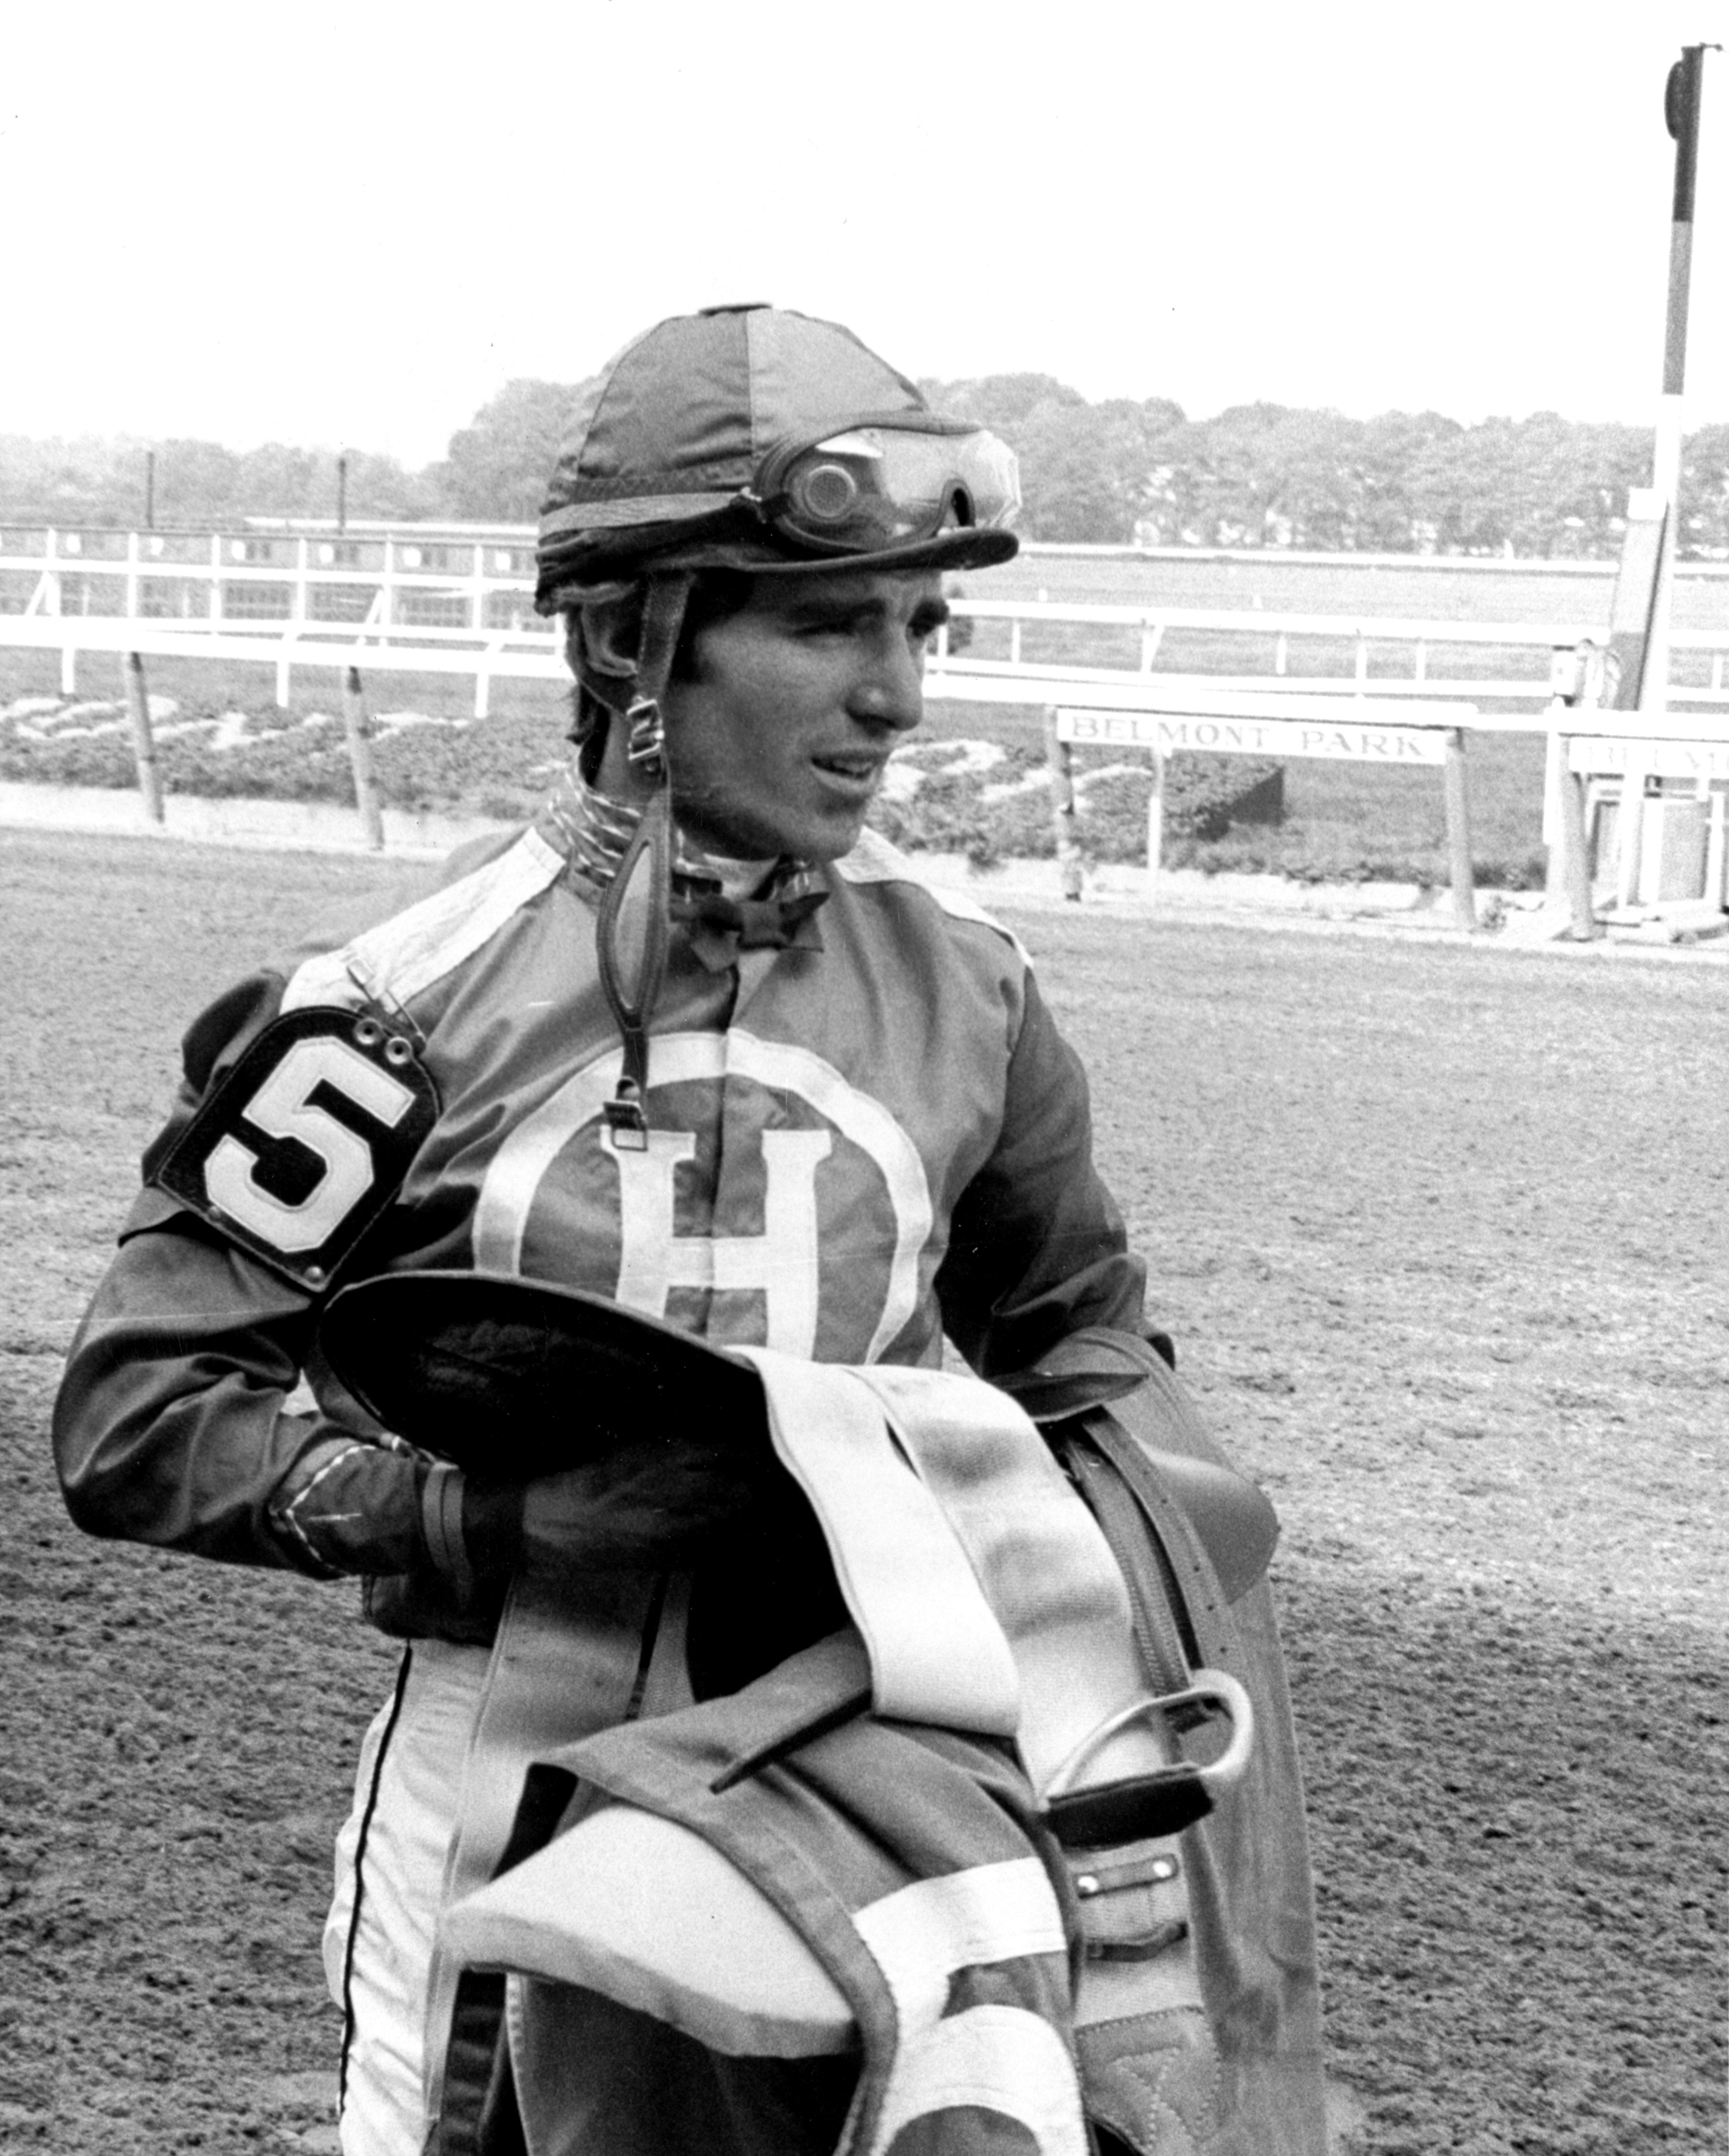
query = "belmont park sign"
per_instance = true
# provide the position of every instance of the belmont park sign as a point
(1167, 732)
(1347, 729)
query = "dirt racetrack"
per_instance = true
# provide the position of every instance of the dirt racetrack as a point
(1441, 1233)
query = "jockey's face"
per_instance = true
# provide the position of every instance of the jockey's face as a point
(777, 739)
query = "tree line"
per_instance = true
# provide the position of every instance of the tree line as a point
(1271, 475)
(1117, 471)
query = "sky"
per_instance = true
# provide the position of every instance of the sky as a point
(349, 225)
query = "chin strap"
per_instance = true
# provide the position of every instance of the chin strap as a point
(635, 914)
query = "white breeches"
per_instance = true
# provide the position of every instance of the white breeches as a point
(390, 1865)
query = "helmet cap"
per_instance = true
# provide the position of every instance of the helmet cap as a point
(667, 440)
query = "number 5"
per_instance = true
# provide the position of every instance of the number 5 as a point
(283, 1108)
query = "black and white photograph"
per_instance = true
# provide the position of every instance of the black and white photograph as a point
(863, 1019)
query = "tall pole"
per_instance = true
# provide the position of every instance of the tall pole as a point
(150, 490)
(342, 492)
(1680, 113)
(1681, 98)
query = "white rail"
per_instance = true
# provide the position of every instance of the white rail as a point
(439, 604)
(339, 602)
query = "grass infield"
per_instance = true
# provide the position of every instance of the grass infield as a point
(1342, 822)
(1440, 1233)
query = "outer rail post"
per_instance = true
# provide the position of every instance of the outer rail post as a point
(1555, 777)
(1716, 843)
(360, 758)
(144, 751)
(1459, 833)
(1155, 820)
(1631, 825)
(1060, 759)
(1575, 849)
(52, 603)
(1579, 678)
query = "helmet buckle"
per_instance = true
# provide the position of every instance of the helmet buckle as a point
(625, 1121)
(647, 740)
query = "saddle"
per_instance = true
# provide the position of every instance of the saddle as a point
(1054, 1564)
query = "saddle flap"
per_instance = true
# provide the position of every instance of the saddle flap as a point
(1100, 1374)
(1233, 1519)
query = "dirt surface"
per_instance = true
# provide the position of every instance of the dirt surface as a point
(1441, 1233)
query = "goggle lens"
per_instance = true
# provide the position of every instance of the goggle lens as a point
(881, 487)
(827, 492)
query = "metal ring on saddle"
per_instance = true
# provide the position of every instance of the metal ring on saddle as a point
(1141, 1807)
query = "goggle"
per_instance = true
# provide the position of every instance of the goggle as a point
(886, 485)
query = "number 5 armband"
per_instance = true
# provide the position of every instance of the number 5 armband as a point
(300, 1147)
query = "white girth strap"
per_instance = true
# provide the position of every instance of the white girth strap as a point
(987, 1596)
(938, 1649)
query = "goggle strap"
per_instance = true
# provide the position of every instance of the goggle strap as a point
(631, 942)
(663, 617)
(635, 915)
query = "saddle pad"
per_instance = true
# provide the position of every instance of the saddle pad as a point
(645, 1911)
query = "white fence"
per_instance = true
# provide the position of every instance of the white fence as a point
(440, 604)
(461, 603)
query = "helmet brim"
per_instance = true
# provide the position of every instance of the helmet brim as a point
(969, 547)
(966, 547)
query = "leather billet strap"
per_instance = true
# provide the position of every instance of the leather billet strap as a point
(1120, 1389)
(635, 914)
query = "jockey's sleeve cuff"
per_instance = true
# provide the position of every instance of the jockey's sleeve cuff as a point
(441, 1526)
(349, 1505)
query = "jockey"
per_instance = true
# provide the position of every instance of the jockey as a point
(695, 1040)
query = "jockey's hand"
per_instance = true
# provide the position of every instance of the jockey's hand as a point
(658, 1501)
